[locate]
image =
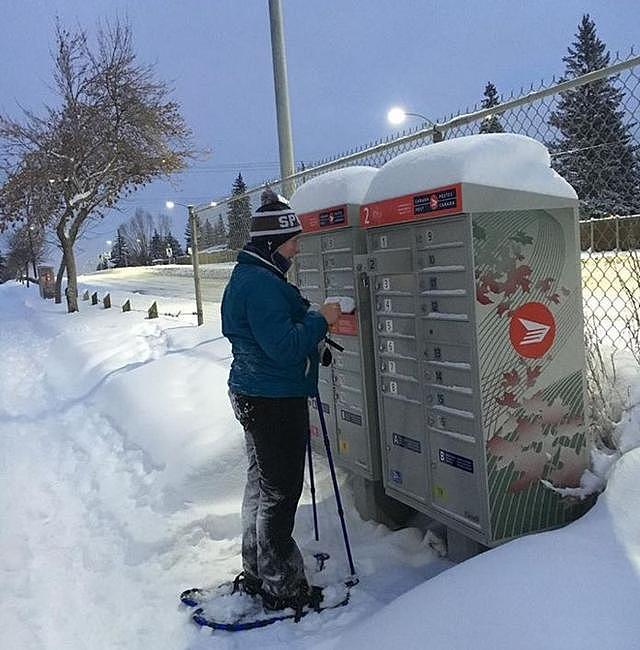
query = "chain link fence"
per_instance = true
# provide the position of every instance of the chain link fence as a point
(591, 125)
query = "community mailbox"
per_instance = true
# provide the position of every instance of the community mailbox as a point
(473, 264)
(329, 209)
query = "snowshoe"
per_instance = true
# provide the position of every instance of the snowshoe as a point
(238, 612)
(242, 583)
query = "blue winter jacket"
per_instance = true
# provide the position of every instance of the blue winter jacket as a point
(274, 336)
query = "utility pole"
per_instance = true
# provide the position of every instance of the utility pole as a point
(196, 262)
(283, 115)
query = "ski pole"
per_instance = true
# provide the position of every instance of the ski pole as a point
(313, 488)
(336, 489)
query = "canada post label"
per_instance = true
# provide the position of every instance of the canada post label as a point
(455, 460)
(408, 443)
(330, 218)
(435, 201)
(327, 219)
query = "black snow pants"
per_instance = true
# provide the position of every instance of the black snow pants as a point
(276, 434)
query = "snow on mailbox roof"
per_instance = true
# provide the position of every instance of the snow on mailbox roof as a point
(348, 185)
(503, 160)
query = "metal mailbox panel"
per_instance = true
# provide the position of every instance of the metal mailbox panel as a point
(353, 439)
(325, 390)
(442, 280)
(397, 260)
(396, 284)
(337, 240)
(405, 449)
(404, 368)
(448, 374)
(454, 354)
(404, 389)
(309, 262)
(434, 233)
(325, 267)
(447, 419)
(434, 302)
(456, 486)
(405, 348)
(395, 304)
(447, 331)
(390, 238)
(396, 326)
(338, 260)
(346, 361)
(337, 281)
(307, 245)
(455, 397)
(447, 258)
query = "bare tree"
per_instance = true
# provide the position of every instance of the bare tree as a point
(137, 233)
(115, 130)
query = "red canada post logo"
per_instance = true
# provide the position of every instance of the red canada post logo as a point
(532, 330)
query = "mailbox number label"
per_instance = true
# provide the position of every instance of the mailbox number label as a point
(387, 304)
(386, 283)
(391, 346)
(383, 241)
(393, 387)
(388, 325)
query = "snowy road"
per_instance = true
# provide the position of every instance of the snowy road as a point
(165, 281)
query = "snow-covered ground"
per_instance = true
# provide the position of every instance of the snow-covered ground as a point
(121, 473)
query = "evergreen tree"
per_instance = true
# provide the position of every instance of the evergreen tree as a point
(209, 235)
(491, 124)
(171, 242)
(158, 251)
(239, 216)
(119, 252)
(595, 150)
(220, 232)
(187, 233)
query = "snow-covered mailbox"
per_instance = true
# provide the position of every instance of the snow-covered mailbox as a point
(329, 209)
(473, 264)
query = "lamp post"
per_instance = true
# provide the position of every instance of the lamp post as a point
(398, 115)
(194, 255)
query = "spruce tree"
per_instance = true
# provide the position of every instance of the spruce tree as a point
(220, 232)
(187, 233)
(158, 251)
(171, 242)
(239, 215)
(187, 236)
(492, 123)
(208, 234)
(119, 251)
(595, 151)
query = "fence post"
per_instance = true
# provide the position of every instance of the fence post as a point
(617, 218)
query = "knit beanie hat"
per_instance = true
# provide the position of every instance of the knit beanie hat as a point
(274, 222)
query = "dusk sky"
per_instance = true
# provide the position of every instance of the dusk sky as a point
(348, 63)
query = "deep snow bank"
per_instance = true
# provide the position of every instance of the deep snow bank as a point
(577, 587)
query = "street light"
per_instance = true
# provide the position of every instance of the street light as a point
(398, 115)
(194, 255)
